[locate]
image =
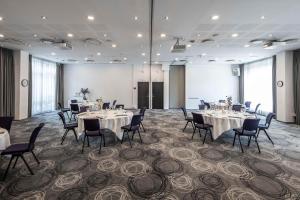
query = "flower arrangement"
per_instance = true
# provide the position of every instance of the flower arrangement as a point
(84, 91)
(229, 100)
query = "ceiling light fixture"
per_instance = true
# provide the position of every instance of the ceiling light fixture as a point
(1, 36)
(124, 58)
(215, 17)
(158, 54)
(198, 35)
(143, 54)
(247, 45)
(86, 58)
(166, 18)
(136, 18)
(105, 35)
(176, 59)
(235, 35)
(262, 17)
(1, 18)
(110, 62)
(35, 35)
(98, 54)
(270, 35)
(204, 54)
(43, 17)
(155, 62)
(145, 62)
(188, 46)
(53, 53)
(139, 35)
(113, 45)
(70, 35)
(163, 35)
(91, 17)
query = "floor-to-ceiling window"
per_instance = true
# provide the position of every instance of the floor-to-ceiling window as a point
(43, 85)
(258, 84)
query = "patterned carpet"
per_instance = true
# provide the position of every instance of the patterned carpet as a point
(169, 165)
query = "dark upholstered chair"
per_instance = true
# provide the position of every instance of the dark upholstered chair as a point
(249, 129)
(17, 150)
(64, 110)
(74, 110)
(120, 106)
(5, 122)
(207, 105)
(114, 104)
(133, 127)
(92, 129)
(74, 101)
(83, 109)
(199, 124)
(187, 119)
(237, 107)
(142, 113)
(201, 106)
(247, 105)
(265, 127)
(254, 112)
(105, 105)
(68, 127)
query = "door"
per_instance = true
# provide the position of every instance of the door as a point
(157, 95)
(143, 94)
(177, 86)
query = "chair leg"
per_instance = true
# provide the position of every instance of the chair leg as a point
(100, 144)
(205, 137)
(64, 136)
(140, 137)
(211, 136)
(27, 165)
(143, 127)
(103, 140)
(75, 134)
(268, 136)
(132, 135)
(185, 126)
(241, 144)
(234, 140)
(257, 144)
(83, 144)
(123, 137)
(6, 171)
(16, 162)
(129, 138)
(194, 132)
(249, 140)
(88, 140)
(38, 162)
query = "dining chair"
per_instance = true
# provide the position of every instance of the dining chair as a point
(199, 124)
(64, 110)
(255, 111)
(106, 105)
(201, 107)
(132, 127)
(265, 127)
(6, 122)
(247, 105)
(17, 150)
(113, 104)
(142, 113)
(83, 109)
(74, 101)
(92, 129)
(120, 106)
(207, 105)
(74, 110)
(68, 127)
(187, 119)
(249, 129)
(237, 107)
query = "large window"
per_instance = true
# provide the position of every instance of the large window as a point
(43, 85)
(258, 84)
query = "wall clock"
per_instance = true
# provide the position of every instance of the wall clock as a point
(24, 83)
(279, 83)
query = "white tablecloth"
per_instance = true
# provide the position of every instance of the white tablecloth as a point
(111, 119)
(4, 139)
(223, 121)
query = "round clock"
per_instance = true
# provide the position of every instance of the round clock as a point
(279, 83)
(24, 82)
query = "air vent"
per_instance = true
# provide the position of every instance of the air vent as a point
(207, 40)
(212, 60)
(178, 48)
(117, 61)
(47, 41)
(92, 41)
(62, 44)
(13, 41)
(230, 60)
(72, 60)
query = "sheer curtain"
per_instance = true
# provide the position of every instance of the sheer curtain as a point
(258, 84)
(43, 86)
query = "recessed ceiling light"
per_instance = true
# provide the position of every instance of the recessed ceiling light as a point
(198, 34)
(1, 36)
(235, 35)
(189, 45)
(98, 54)
(29, 45)
(176, 59)
(270, 35)
(143, 54)
(136, 18)
(70, 35)
(91, 17)
(1, 18)
(215, 17)
(113, 45)
(163, 35)
(139, 35)
(204, 54)
(166, 17)
(35, 35)
(105, 35)
(124, 58)
(110, 62)
(262, 17)
(160, 45)
(155, 62)
(158, 54)
(86, 58)
(43, 17)
(247, 45)
(145, 62)
(53, 53)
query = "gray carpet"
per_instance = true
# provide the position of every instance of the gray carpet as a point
(168, 165)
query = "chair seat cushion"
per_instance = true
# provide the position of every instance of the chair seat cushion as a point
(246, 133)
(75, 112)
(129, 128)
(189, 119)
(72, 125)
(203, 126)
(262, 126)
(65, 109)
(15, 149)
(93, 133)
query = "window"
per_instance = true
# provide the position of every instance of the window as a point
(258, 84)
(43, 85)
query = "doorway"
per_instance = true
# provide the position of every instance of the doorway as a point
(143, 94)
(157, 95)
(177, 86)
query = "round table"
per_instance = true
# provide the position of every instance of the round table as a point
(223, 121)
(110, 119)
(4, 139)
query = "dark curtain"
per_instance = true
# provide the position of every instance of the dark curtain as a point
(296, 72)
(59, 84)
(7, 82)
(241, 84)
(30, 86)
(274, 85)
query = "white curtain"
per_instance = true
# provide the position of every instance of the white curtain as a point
(258, 84)
(43, 85)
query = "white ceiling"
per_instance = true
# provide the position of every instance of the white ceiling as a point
(187, 19)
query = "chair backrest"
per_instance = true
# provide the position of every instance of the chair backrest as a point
(74, 107)
(247, 104)
(62, 117)
(83, 108)
(34, 135)
(197, 118)
(222, 101)
(142, 111)
(269, 118)
(114, 103)
(74, 101)
(120, 106)
(59, 105)
(251, 124)
(105, 106)
(202, 102)
(91, 124)
(5, 122)
(207, 105)
(201, 107)
(184, 112)
(136, 120)
(257, 106)
(237, 107)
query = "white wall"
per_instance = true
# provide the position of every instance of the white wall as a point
(109, 81)
(209, 82)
